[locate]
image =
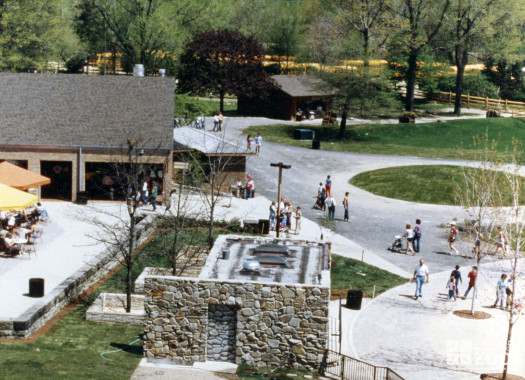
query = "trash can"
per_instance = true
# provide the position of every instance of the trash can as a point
(82, 198)
(225, 254)
(303, 134)
(36, 287)
(353, 299)
(316, 144)
(264, 226)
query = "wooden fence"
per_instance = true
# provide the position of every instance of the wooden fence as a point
(503, 105)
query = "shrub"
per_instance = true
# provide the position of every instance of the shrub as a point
(475, 84)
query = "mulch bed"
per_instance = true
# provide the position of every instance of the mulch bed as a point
(468, 315)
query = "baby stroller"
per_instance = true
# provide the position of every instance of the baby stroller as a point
(397, 245)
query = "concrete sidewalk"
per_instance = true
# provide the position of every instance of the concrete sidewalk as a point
(423, 339)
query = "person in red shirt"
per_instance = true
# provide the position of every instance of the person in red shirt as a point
(471, 280)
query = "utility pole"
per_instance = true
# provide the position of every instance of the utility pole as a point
(281, 166)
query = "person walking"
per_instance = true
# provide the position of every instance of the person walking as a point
(500, 291)
(328, 186)
(501, 242)
(154, 194)
(345, 205)
(250, 187)
(249, 142)
(477, 243)
(145, 192)
(417, 235)
(298, 215)
(420, 273)
(457, 278)
(273, 216)
(258, 143)
(215, 123)
(451, 286)
(473, 274)
(221, 121)
(452, 238)
(330, 203)
(409, 235)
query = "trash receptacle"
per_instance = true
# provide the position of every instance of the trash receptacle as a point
(82, 198)
(316, 144)
(36, 287)
(225, 254)
(353, 299)
(264, 226)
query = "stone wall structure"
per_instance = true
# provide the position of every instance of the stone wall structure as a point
(274, 321)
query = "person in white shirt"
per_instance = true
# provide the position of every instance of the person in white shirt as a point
(330, 203)
(420, 274)
(409, 234)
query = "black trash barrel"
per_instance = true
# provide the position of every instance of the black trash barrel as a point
(316, 144)
(36, 287)
(353, 299)
(264, 226)
(82, 198)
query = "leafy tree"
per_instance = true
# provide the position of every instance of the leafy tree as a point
(32, 33)
(144, 31)
(223, 61)
(361, 88)
(506, 75)
(417, 23)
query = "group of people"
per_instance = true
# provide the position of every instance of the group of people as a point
(20, 227)
(143, 197)
(218, 120)
(248, 190)
(286, 214)
(325, 200)
(413, 237)
(257, 141)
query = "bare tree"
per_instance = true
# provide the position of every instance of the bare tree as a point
(479, 192)
(131, 168)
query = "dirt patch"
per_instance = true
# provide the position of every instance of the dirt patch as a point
(468, 315)
(499, 376)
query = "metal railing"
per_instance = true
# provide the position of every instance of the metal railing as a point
(347, 368)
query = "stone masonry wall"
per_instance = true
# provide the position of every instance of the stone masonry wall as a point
(273, 320)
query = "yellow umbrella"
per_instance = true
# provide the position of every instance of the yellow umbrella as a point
(13, 199)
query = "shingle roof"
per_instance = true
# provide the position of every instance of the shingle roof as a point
(300, 85)
(204, 142)
(84, 110)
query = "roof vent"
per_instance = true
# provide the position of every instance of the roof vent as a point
(138, 70)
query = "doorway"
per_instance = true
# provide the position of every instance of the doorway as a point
(221, 333)
(60, 173)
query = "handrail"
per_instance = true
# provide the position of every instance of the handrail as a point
(347, 368)
(505, 105)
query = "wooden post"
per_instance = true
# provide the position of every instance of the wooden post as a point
(374, 292)
(506, 105)
(486, 103)
(468, 101)
(449, 97)
(363, 256)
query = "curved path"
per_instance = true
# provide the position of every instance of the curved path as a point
(419, 339)
(374, 219)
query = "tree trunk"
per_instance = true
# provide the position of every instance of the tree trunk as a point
(411, 80)
(221, 96)
(366, 48)
(342, 126)
(507, 349)
(129, 263)
(461, 58)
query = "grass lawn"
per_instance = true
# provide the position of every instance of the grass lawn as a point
(451, 139)
(344, 276)
(420, 183)
(71, 348)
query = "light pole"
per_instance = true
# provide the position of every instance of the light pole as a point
(281, 166)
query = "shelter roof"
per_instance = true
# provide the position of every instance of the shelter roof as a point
(20, 178)
(13, 199)
(85, 110)
(301, 85)
(185, 138)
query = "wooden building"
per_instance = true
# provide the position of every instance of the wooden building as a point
(290, 94)
(72, 128)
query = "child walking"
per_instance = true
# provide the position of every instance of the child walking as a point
(451, 286)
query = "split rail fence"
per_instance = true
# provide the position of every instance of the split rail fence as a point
(517, 109)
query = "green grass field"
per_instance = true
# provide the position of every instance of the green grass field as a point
(344, 276)
(451, 139)
(421, 183)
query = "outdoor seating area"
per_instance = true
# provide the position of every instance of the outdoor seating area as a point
(21, 214)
